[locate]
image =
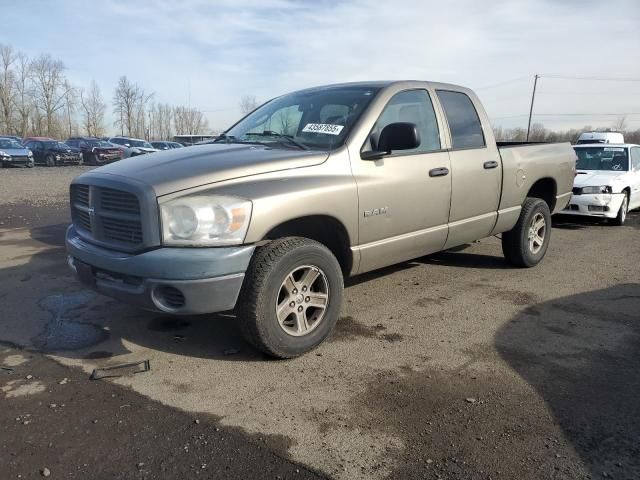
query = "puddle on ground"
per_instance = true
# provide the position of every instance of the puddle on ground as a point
(62, 332)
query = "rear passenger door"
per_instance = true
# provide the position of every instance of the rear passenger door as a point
(476, 169)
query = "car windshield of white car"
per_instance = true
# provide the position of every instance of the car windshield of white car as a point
(613, 159)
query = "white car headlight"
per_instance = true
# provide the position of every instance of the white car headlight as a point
(30, 154)
(4, 154)
(205, 220)
(596, 190)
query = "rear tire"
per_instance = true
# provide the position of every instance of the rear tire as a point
(291, 297)
(622, 213)
(527, 243)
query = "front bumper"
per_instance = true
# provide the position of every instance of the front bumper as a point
(604, 205)
(180, 281)
(17, 162)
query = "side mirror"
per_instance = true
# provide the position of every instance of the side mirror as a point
(395, 136)
(127, 145)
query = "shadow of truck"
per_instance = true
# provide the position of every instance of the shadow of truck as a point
(582, 355)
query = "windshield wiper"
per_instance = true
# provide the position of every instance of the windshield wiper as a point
(288, 138)
(225, 137)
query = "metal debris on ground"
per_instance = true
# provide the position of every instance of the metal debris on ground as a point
(112, 371)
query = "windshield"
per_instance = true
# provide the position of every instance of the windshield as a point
(313, 119)
(51, 144)
(9, 143)
(139, 143)
(99, 143)
(603, 158)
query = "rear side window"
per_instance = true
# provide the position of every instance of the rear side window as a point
(635, 159)
(464, 123)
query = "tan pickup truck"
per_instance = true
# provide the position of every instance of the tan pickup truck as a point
(309, 188)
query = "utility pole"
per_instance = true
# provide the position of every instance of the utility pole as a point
(533, 97)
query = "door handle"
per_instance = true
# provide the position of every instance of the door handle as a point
(438, 172)
(490, 164)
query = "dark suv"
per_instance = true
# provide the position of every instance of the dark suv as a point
(53, 153)
(96, 151)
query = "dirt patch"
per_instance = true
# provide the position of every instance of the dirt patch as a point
(348, 329)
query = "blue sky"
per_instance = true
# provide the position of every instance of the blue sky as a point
(210, 53)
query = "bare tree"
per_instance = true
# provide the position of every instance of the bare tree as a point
(70, 106)
(93, 110)
(620, 124)
(51, 90)
(248, 104)
(161, 119)
(189, 121)
(7, 59)
(130, 107)
(23, 95)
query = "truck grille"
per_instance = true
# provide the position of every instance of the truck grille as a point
(107, 216)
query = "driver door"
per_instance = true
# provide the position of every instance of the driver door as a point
(404, 197)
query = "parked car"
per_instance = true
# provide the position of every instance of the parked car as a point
(26, 140)
(607, 183)
(53, 153)
(96, 151)
(310, 187)
(166, 145)
(600, 137)
(133, 146)
(12, 154)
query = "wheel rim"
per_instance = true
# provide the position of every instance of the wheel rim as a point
(537, 232)
(623, 209)
(302, 300)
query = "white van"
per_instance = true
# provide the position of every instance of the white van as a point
(600, 137)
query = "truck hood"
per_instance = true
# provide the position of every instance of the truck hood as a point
(596, 178)
(170, 171)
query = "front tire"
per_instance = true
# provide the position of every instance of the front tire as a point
(622, 213)
(291, 297)
(527, 243)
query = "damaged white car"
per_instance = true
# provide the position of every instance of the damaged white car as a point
(607, 182)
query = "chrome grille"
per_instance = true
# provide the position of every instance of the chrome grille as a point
(107, 216)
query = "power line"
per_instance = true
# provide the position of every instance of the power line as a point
(502, 83)
(570, 115)
(580, 77)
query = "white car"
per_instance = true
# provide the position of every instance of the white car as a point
(607, 182)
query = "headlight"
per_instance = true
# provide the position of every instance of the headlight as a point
(30, 154)
(595, 190)
(4, 154)
(205, 220)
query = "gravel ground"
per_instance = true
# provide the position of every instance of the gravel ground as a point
(452, 366)
(36, 196)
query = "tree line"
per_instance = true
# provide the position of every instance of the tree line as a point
(539, 133)
(37, 99)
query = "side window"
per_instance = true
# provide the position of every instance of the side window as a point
(412, 106)
(635, 159)
(464, 123)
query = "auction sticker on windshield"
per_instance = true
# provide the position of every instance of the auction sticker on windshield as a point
(325, 128)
